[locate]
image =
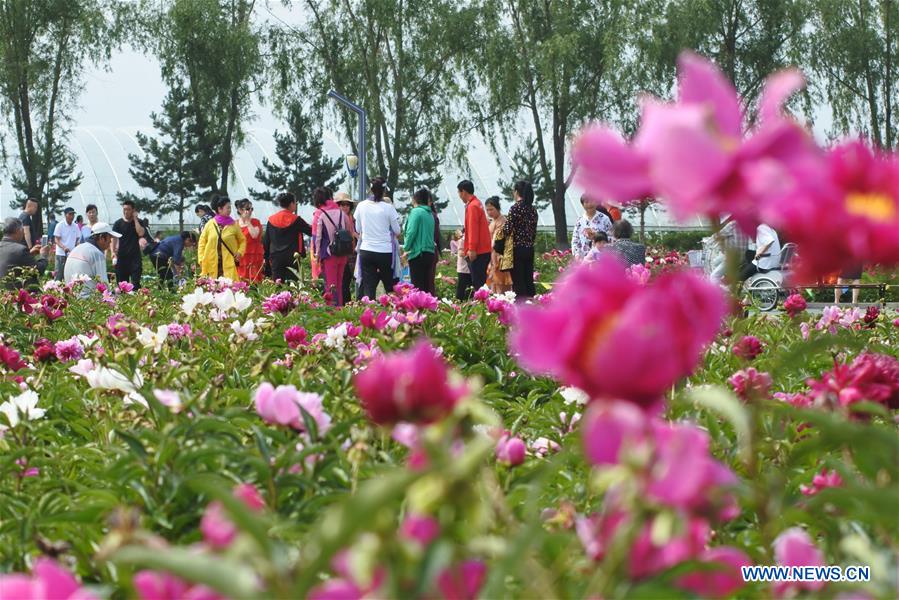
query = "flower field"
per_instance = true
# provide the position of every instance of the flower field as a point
(245, 442)
(630, 433)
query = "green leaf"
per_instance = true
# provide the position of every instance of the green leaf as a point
(728, 406)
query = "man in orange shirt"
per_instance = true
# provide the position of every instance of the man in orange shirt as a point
(478, 242)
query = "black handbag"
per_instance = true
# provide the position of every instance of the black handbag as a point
(499, 246)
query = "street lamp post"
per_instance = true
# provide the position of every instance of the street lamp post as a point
(360, 141)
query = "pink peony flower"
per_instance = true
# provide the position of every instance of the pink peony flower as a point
(160, 585)
(26, 302)
(295, 336)
(843, 212)
(505, 310)
(510, 450)
(418, 300)
(616, 339)
(282, 302)
(125, 287)
(462, 581)
(722, 582)
(407, 386)
(47, 580)
(871, 316)
(750, 384)
(871, 377)
(597, 531)
(249, 495)
(748, 347)
(639, 273)
(794, 304)
(482, 294)
(178, 331)
(11, 359)
(824, 479)
(420, 528)
(693, 153)
(648, 557)
(794, 548)
(281, 406)
(608, 429)
(67, 350)
(369, 321)
(217, 529)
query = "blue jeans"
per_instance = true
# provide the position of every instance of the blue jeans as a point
(60, 267)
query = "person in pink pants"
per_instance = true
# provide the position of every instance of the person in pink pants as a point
(326, 221)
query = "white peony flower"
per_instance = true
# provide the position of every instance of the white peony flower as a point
(24, 405)
(199, 297)
(104, 378)
(573, 395)
(229, 300)
(153, 339)
(53, 285)
(82, 367)
(169, 398)
(246, 331)
(335, 337)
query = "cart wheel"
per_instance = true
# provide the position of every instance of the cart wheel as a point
(764, 293)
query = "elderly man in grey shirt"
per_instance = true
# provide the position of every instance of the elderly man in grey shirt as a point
(89, 259)
(16, 259)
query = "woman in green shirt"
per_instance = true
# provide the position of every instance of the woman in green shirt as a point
(419, 240)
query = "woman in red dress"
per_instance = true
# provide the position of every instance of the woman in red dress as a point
(250, 267)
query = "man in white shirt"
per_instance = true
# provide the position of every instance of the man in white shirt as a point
(89, 259)
(67, 236)
(767, 253)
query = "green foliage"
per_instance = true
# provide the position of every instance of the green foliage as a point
(526, 166)
(302, 165)
(44, 48)
(171, 165)
(853, 54)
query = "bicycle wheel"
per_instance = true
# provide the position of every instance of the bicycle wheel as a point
(763, 292)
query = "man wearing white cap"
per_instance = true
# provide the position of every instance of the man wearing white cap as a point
(89, 259)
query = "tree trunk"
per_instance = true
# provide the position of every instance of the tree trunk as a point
(888, 74)
(560, 219)
(643, 206)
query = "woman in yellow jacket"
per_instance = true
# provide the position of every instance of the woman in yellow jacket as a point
(221, 243)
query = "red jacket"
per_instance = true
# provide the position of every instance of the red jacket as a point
(477, 232)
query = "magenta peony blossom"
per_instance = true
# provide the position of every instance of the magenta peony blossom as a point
(843, 212)
(597, 531)
(694, 154)
(11, 359)
(68, 350)
(44, 350)
(794, 548)
(417, 300)
(748, 347)
(722, 582)
(871, 377)
(249, 495)
(282, 302)
(510, 450)
(407, 386)
(824, 479)
(648, 557)
(159, 585)
(463, 581)
(26, 302)
(608, 429)
(125, 287)
(295, 336)
(871, 316)
(420, 528)
(750, 384)
(369, 321)
(281, 406)
(47, 580)
(616, 339)
(482, 294)
(794, 304)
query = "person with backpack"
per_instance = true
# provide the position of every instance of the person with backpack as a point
(222, 243)
(332, 243)
(418, 241)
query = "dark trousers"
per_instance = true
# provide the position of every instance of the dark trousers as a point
(162, 263)
(283, 268)
(420, 271)
(432, 275)
(478, 268)
(130, 269)
(348, 278)
(463, 286)
(376, 267)
(523, 272)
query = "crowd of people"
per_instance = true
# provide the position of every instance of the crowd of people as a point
(353, 247)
